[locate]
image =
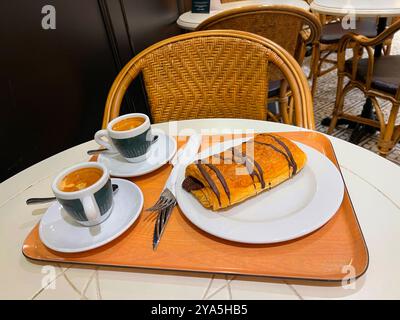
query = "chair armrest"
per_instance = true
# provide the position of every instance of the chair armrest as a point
(379, 39)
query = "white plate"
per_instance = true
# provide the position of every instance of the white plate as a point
(159, 154)
(59, 232)
(291, 210)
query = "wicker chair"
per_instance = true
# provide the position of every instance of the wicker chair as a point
(332, 32)
(220, 73)
(376, 78)
(290, 27)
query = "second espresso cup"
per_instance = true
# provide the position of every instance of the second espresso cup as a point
(130, 135)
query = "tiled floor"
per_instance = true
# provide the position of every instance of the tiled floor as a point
(324, 101)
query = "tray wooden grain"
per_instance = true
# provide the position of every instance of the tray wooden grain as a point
(320, 255)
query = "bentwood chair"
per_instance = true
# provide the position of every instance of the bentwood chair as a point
(212, 74)
(290, 27)
(376, 77)
(332, 32)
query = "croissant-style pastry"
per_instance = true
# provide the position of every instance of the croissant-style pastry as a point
(244, 171)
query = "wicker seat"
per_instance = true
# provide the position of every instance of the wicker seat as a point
(386, 74)
(212, 74)
(376, 78)
(290, 27)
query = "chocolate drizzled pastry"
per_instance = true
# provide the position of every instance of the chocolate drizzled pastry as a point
(235, 175)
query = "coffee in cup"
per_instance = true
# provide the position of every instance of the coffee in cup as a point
(128, 124)
(80, 179)
(85, 192)
(130, 135)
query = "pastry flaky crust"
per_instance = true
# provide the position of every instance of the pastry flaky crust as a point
(239, 173)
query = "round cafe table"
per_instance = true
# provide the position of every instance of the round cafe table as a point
(361, 8)
(189, 21)
(372, 182)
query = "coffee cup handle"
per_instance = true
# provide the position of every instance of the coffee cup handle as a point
(91, 208)
(98, 137)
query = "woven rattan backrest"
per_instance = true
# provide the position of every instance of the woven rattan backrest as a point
(211, 74)
(281, 24)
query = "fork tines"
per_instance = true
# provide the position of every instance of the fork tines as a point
(166, 199)
(161, 221)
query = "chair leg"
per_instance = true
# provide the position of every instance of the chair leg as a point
(312, 61)
(387, 48)
(315, 68)
(338, 109)
(387, 140)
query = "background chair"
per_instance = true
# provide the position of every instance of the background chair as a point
(221, 74)
(376, 78)
(332, 32)
(290, 27)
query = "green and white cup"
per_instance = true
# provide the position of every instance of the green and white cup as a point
(132, 144)
(90, 206)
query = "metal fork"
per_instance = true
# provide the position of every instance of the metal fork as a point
(167, 200)
(162, 219)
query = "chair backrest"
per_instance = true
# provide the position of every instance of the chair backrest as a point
(359, 44)
(280, 23)
(211, 74)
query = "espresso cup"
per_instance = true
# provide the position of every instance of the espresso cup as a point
(89, 205)
(132, 144)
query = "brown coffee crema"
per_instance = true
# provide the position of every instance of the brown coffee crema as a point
(128, 124)
(80, 179)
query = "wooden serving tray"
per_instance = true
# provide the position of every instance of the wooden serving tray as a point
(321, 255)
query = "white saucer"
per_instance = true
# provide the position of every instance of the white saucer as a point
(59, 232)
(159, 154)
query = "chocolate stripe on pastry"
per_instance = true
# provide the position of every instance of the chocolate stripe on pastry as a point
(247, 160)
(209, 181)
(289, 153)
(221, 179)
(252, 173)
(279, 151)
(260, 171)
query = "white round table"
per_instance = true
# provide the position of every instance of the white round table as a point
(372, 182)
(189, 20)
(362, 8)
